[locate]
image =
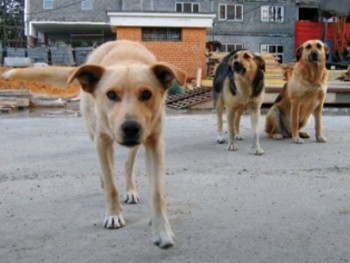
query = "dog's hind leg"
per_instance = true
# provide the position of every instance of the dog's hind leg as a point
(273, 125)
(219, 123)
(302, 125)
(304, 135)
(113, 218)
(162, 234)
(131, 193)
(255, 116)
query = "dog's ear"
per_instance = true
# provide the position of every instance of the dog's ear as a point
(326, 50)
(88, 76)
(260, 62)
(230, 61)
(299, 53)
(166, 73)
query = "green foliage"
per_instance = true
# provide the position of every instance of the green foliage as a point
(12, 22)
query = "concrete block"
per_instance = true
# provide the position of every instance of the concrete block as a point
(17, 62)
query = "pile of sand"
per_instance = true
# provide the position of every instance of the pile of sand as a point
(39, 88)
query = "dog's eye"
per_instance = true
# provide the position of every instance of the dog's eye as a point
(308, 46)
(319, 46)
(235, 56)
(112, 95)
(145, 95)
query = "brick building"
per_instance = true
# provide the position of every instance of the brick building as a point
(175, 37)
(181, 39)
(260, 25)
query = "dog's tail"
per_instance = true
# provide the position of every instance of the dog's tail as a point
(52, 74)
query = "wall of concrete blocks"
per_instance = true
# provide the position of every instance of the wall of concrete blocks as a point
(62, 55)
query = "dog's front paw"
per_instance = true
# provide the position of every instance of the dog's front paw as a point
(239, 137)
(131, 197)
(113, 221)
(220, 139)
(298, 140)
(232, 147)
(321, 139)
(259, 151)
(276, 136)
(163, 236)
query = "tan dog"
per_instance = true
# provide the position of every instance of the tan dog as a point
(304, 94)
(239, 86)
(124, 89)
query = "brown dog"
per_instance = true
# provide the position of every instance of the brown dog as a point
(239, 86)
(124, 89)
(304, 94)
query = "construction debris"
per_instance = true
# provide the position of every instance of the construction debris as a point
(345, 76)
(20, 94)
(40, 88)
(12, 100)
(190, 98)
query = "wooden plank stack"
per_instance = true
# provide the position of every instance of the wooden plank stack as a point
(12, 100)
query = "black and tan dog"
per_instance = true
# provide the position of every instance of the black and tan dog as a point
(122, 100)
(303, 94)
(239, 86)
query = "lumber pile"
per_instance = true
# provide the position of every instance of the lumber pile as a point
(12, 100)
(274, 73)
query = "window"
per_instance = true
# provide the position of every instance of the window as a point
(231, 12)
(48, 4)
(187, 7)
(272, 13)
(276, 50)
(161, 34)
(308, 14)
(86, 4)
(228, 47)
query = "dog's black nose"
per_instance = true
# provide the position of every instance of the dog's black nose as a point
(313, 57)
(238, 67)
(131, 133)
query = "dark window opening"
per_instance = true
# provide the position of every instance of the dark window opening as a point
(161, 34)
(308, 14)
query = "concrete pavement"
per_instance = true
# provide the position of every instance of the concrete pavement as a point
(290, 205)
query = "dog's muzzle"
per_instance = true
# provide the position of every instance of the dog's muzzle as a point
(131, 133)
(238, 67)
(313, 57)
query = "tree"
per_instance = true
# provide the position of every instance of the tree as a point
(12, 23)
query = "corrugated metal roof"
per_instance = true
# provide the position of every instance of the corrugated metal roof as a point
(308, 2)
(336, 7)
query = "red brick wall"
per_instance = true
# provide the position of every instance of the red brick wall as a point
(188, 54)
